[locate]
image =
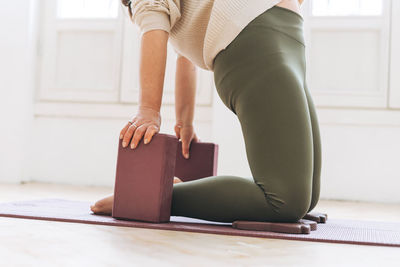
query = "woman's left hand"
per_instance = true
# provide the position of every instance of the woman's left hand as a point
(186, 134)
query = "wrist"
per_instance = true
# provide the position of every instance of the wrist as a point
(183, 123)
(149, 107)
(184, 115)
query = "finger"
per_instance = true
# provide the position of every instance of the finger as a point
(185, 148)
(128, 135)
(123, 131)
(151, 130)
(139, 132)
(178, 131)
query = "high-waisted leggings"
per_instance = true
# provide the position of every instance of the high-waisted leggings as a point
(260, 77)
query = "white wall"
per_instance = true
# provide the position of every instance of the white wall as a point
(360, 163)
(16, 87)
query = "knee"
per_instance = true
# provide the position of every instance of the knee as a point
(294, 210)
(292, 214)
(290, 203)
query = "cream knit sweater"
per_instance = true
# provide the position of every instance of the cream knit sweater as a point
(198, 29)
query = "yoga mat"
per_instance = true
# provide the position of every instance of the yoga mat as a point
(333, 231)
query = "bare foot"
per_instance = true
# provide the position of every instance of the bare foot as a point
(104, 205)
(177, 180)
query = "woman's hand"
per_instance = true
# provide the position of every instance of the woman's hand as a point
(147, 122)
(186, 134)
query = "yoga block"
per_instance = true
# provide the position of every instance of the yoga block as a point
(312, 224)
(289, 228)
(144, 180)
(317, 217)
(202, 161)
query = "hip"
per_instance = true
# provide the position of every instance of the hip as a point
(271, 45)
(273, 38)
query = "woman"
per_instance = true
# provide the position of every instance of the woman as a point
(256, 51)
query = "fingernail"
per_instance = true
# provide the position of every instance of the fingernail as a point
(123, 144)
(186, 155)
(121, 136)
(146, 141)
(133, 145)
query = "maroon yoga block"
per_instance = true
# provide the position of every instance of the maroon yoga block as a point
(144, 175)
(144, 180)
(300, 227)
(202, 162)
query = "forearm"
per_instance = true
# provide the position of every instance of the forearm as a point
(153, 57)
(185, 91)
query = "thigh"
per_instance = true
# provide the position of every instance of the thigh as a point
(273, 112)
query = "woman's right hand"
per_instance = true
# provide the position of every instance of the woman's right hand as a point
(186, 134)
(146, 123)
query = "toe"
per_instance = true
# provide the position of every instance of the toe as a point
(99, 204)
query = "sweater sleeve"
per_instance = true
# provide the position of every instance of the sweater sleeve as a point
(155, 14)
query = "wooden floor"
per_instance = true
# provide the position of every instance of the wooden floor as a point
(43, 243)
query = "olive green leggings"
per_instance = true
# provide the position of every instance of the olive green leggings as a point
(260, 77)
